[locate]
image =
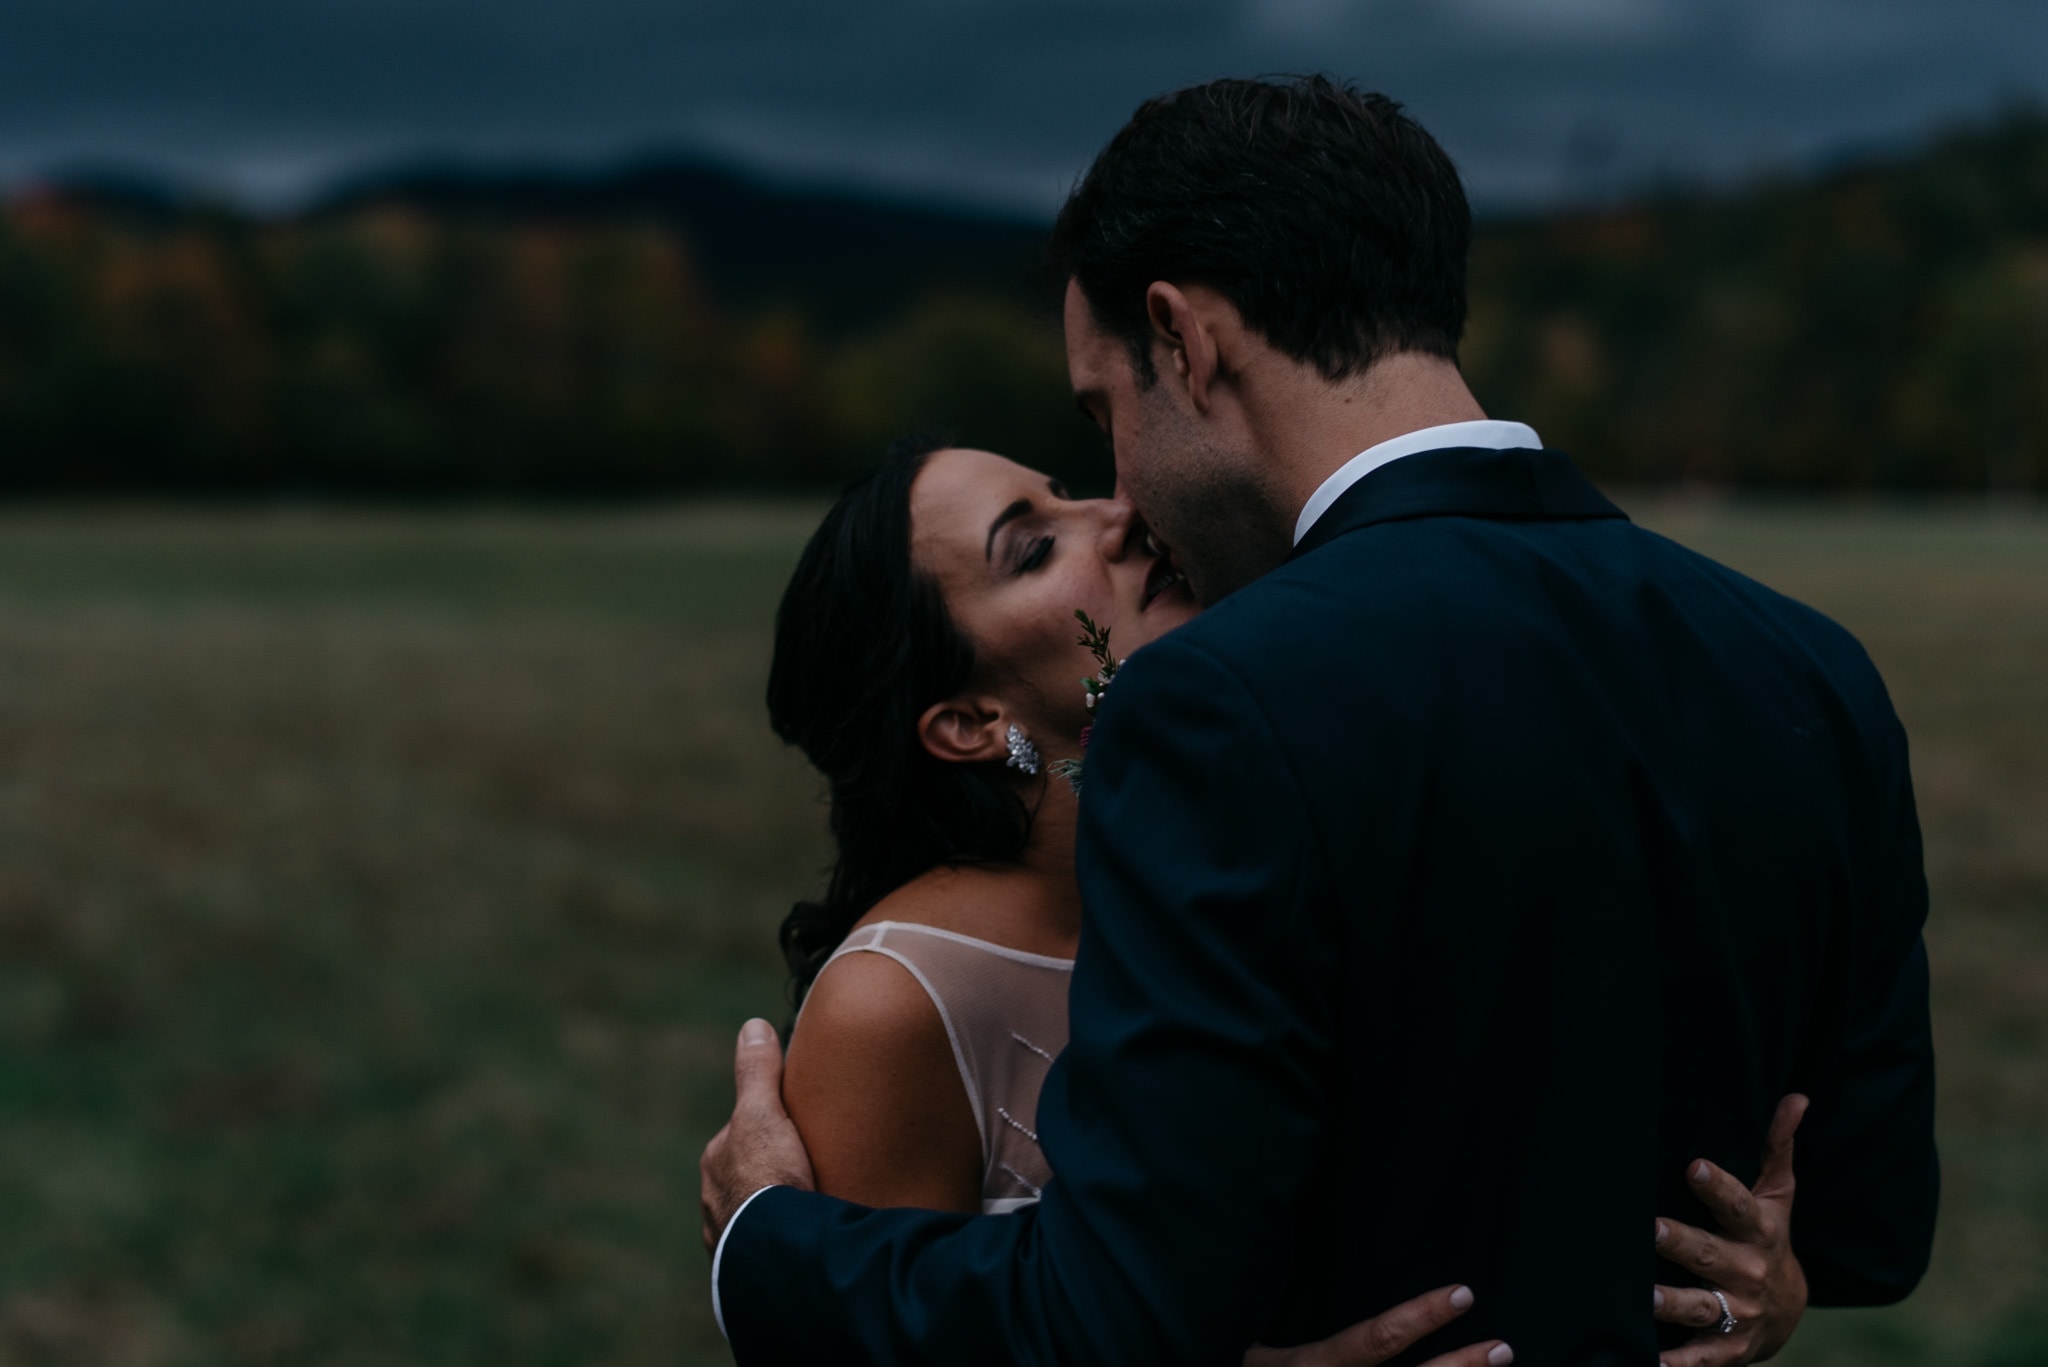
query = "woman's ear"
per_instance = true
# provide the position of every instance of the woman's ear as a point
(964, 730)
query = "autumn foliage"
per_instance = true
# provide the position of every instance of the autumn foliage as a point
(1882, 328)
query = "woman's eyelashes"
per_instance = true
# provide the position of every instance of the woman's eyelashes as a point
(1035, 555)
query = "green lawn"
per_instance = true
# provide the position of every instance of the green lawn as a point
(379, 895)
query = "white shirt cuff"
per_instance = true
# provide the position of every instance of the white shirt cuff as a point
(718, 1260)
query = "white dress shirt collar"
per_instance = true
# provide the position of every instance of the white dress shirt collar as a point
(1487, 433)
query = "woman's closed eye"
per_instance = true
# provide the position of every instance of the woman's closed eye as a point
(1035, 555)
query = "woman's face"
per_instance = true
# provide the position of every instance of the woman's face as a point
(1015, 557)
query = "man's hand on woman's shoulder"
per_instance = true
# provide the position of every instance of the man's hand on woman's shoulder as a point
(759, 1147)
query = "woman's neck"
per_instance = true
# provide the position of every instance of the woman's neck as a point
(1031, 903)
(1048, 854)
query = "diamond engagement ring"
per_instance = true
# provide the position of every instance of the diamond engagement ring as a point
(1727, 1324)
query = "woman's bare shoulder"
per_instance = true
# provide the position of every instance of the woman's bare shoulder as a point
(874, 1090)
(870, 997)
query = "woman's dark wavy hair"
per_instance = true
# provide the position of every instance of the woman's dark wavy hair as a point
(1332, 220)
(863, 645)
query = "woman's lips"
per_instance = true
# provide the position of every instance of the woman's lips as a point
(1162, 579)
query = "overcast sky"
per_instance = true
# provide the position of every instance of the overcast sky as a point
(993, 102)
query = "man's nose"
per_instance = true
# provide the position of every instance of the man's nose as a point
(1121, 528)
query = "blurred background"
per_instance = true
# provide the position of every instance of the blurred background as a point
(409, 411)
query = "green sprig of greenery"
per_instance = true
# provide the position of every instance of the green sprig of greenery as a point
(1095, 640)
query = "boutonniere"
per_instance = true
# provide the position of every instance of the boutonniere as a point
(1095, 640)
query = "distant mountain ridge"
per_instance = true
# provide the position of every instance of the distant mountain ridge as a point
(848, 259)
(851, 259)
(1880, 326)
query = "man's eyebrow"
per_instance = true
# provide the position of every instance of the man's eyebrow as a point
(1007, 515)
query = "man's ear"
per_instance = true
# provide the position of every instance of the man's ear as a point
(964, 730)
(1189, 343)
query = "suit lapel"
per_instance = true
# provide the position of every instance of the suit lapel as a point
(1502, 486)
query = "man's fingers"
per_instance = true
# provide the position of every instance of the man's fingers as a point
(1389, 1333)
(1724, 1195)
(1687, 1305)
(757, 1067)
(1775, 1180)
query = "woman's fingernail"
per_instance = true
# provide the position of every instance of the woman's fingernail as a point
(1502, 1355)
(1461, 1299)
(756, 1031)
(1657, 1298)
(1663, 1230)
(1699, 1173)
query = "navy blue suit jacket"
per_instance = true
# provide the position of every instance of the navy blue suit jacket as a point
(1447, 889)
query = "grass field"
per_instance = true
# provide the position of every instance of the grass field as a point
(379, 895)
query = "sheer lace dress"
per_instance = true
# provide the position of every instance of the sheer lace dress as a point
(1005, 1012)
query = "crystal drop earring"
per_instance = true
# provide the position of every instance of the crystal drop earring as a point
(1023, 754)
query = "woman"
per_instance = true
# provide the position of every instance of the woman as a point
(926, 663)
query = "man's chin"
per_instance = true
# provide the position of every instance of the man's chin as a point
(1170, 609)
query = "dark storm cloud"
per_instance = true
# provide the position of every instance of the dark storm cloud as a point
(1000, 101)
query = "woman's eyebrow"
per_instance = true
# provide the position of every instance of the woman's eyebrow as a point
(1009, 514)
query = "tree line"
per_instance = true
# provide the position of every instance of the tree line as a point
(1880, 328)
(1883, 328)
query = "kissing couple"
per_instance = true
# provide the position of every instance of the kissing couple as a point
(1462, 895)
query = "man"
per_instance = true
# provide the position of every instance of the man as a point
(1472, 863)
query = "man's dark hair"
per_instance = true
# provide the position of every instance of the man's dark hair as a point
(1332, 221)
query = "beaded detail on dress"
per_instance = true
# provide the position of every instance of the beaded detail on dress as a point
(1005, 1014)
